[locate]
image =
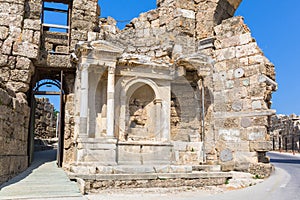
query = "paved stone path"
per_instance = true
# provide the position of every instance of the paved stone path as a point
(42, 180)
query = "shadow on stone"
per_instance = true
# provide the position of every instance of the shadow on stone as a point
(40, 157)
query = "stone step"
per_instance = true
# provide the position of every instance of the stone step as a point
(139, 169)
(152, 176)
(95, 182)
(207, 168)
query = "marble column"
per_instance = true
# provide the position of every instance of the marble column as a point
(84, 100)
(158, 108)
(110, 101)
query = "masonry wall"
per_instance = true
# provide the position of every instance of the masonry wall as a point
(19, 44)
(241, 80)
(237, 91)
(45, 119)
(14, 120)
(242, 83)
(29, 53)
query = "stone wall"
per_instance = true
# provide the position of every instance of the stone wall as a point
(14, 120)
(45, 119)
(241, 81)
(285, 132)
(19, 44)
(30, 52)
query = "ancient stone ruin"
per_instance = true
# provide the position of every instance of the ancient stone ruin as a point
(285, 132)
(14, 124)
(45, 119)
(182, 86)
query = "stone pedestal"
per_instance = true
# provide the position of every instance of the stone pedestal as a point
(144, 153)
(99, 151)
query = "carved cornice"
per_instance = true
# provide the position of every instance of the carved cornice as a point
(201, 63)
(98, 51)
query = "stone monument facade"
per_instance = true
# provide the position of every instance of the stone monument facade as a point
(182, 85)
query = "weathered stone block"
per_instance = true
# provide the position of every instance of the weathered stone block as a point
(3, 60)
(227, 166)
(225, 54)
(18, 86)
(58, 61)
(3, 32)
(32, 24)
(256, 105)
(25, 49)
(5, 99)
(261, 146)
(190, 14)
(247, 50)
(243, 160)
(232, 135)
(27, 36)
(246, 122)
(21, 75)
(62, 49)
(11, 19)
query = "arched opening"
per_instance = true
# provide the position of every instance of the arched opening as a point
(101, 106)
(141, 113)
(47, 116)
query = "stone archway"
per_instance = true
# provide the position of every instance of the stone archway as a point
(56, 79)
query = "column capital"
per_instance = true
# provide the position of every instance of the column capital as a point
(84, 66)
(157, 101)
(111, 69)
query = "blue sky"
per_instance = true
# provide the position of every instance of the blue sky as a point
(275, 24)
(276, 27)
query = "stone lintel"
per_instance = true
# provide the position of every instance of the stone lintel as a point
(102, 140)
(144, 143)
(146, 75)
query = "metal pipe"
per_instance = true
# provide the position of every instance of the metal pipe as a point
(203, 117)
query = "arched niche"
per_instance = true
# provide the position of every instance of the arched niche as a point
(101, 106)
(139, 111)
(140, 114)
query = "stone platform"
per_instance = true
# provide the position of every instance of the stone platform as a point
(92, 179)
